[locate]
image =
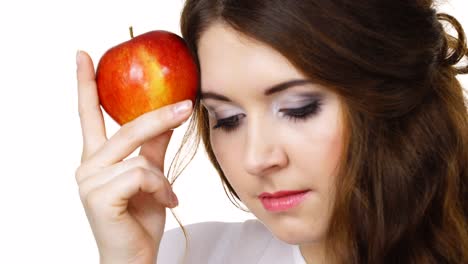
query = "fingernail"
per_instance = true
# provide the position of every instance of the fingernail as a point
(77, 57)
(174, 199)
(182, 107)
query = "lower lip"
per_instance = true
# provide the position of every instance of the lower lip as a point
(283, 203)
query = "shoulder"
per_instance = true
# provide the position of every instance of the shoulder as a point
(211, 241)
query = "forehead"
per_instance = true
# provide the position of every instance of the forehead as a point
(228, 58)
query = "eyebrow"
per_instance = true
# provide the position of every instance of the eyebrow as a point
(274, 89)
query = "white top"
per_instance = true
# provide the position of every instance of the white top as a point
(248, 242)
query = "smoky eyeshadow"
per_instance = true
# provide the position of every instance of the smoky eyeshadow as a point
(292, 100)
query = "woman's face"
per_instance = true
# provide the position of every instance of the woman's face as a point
(281, 141)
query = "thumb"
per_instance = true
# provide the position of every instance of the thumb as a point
(155, 149)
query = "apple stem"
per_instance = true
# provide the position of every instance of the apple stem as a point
(131, 31)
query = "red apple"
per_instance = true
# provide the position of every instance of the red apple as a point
(144, 73)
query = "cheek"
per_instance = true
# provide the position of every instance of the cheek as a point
(326, 136)
(228, 150)
(218, 145)
(334, 146)
(225, 149)
(329, 149)
(225, 145)
(320, 148)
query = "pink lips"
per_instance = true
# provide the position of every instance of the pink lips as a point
(283, 200)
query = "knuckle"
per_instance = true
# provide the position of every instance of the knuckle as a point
(159, 182)
(144, 176)
(159, 174)
(139, 173)
(82, 173)
(159, 178)
(92, 198)
(142, 161)
(79, 174)
(83, 194)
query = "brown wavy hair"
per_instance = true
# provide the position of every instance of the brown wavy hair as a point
(401, 193)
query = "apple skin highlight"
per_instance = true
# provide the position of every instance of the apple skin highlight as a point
(145, 73)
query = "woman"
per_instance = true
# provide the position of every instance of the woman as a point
(351, 106)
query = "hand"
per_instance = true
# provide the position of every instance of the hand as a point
(125, 200)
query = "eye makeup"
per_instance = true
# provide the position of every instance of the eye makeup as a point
(303, 113)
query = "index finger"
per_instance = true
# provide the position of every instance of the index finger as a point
(92, 122)
(133, 134)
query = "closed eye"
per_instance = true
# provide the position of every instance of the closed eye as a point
(295, 114)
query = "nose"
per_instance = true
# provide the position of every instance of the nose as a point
(264, 152)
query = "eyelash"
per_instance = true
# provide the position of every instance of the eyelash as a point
(298, 114)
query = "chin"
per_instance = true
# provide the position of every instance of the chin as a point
(296, 233)
(298, 238)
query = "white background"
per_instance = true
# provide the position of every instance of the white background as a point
(41, 217)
